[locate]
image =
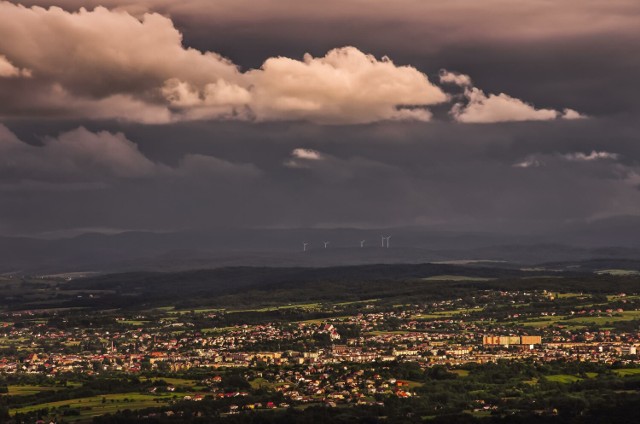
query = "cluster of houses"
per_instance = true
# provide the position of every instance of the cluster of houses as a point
(448, 332)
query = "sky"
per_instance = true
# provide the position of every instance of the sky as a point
(452, 114)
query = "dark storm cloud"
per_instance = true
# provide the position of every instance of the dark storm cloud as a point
(514, 176)
(384, 174)
(82, 156)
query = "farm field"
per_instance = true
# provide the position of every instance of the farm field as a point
(563, 378)
(624, 372)
(581, 321)
(25, 390)
(173, 381)
(447, 314)
(455, 278)
(89, 407)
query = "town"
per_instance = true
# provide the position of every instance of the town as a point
(329, 354)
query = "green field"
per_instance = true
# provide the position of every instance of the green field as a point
(461, 373)
(261, 383)
(624, 372)
(214, 330)
(563, 378)
(172, 381)
(322, 320)
(621, 316)
(171, 310)
(8, 341)
(543, 322)
(569, 295)
(20, 390)
(446, 314)
(568, 378)
(98, 405)
(305, 306)
(581, 321)
(455, 278)
(355, 302)
(134, 322)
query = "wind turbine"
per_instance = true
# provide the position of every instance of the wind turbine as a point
(387, 238)
(362, 243)
(326, 243)
(304, 246)
(382, 241)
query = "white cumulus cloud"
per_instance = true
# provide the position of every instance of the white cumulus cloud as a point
(108, 64)
(448, 77)
(308, 154)
(8, 70)
(303, 158)
(571, 114)
(483, 109)
(345, 86)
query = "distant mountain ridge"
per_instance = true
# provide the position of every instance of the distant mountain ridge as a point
(169, 251)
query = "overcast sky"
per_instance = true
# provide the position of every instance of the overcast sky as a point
(458, 114)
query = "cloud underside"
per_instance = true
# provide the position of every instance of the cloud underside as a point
(444, 19)
(84, 159)
(108, 64)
